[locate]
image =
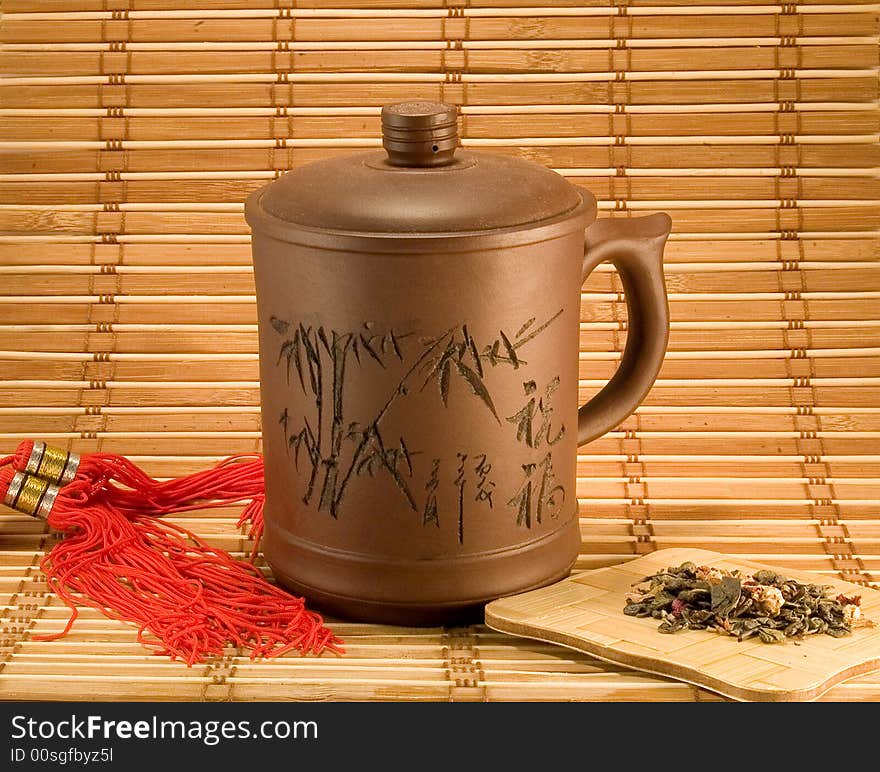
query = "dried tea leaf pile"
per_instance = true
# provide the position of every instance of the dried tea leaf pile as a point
(767, 604)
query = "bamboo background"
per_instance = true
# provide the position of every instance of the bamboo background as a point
(132, 130)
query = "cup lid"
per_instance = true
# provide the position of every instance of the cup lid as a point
(420, 184)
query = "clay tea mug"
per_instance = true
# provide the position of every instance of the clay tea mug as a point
(419, 316)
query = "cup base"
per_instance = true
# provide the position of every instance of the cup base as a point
(441, 591)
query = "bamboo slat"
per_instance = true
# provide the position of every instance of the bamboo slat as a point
(131, 132)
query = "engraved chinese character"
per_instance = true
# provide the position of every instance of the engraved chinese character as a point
(430, 515)
(550, 495)
(485, 487)
(525, 418)
(460, 480)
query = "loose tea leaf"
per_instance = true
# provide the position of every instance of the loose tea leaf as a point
(725, 595)
(766, 605)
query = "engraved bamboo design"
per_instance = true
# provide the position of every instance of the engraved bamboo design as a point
(318, 361)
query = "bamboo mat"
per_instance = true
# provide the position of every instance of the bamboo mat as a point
(132, 130)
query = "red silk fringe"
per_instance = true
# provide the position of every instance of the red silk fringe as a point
(188, 599)
(234, 479)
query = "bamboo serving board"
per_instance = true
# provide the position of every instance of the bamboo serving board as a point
(585, 612)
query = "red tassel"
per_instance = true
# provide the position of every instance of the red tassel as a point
(253, 516)
(235, 479)
(189, 600)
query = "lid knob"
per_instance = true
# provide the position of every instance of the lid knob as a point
(420, 133)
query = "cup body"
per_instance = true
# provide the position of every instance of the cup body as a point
(419, 408)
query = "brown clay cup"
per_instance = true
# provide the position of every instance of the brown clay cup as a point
(419, 317)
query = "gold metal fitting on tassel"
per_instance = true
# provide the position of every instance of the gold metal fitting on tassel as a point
(53, 464)
(31, 495)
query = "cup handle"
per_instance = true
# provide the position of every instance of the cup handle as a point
(635, 248)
